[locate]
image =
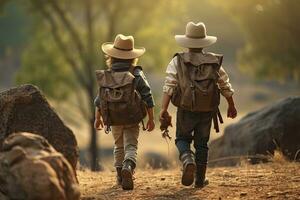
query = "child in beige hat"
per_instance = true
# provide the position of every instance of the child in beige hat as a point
(195, 79)
(124, 99)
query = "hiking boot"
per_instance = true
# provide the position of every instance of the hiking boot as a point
(189, 167)
(200, 176)
(126, 173)
(119, 176)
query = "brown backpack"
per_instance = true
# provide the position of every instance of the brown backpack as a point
(197, 88)
(120, 102)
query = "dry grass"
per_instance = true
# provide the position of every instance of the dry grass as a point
(264, 181)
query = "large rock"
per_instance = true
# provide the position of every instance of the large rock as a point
(25, 109)
(274, 127)
(30, 168)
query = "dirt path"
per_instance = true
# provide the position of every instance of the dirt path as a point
(265, 181)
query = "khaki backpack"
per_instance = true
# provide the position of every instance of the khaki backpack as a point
(197, 88)
(120, 102)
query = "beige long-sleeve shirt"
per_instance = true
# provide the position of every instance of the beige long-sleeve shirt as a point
(171, 80)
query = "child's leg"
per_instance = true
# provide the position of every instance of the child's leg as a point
(131, 134)
(184, 128)
(201, 138)
(117, 132)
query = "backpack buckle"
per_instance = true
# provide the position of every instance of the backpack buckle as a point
(115, 94)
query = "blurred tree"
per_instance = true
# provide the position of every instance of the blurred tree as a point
(13, 36)
(2, 3)
(12, 24)
(65, 63)
(47, 69)
(271, 29)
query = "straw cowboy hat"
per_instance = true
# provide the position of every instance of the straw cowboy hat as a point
(195, 36)
(123, 48)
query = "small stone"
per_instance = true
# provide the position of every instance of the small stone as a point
(243, 193)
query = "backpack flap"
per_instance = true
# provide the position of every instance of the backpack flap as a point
(197, 59)
(202, 66)
(203, 72)
(110, 79)
(115, 86)
(197, 89)
(120, 102)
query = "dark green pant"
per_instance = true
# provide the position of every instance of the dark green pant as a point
(193, 127)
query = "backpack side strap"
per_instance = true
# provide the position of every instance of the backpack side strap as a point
(217, 117)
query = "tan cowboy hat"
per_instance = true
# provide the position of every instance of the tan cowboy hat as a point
(123, 48)
(195, 36)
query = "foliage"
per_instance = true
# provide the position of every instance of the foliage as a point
(13, 24)
(72, 52)
(146, 21)
(42, 65)
(271, 30)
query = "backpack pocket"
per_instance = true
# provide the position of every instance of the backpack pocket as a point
(176, 96)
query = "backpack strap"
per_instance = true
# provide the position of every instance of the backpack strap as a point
(137, 70)
(217, 117)
(198, 59)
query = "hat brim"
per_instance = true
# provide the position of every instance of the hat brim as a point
(108, 49)
(186, 42)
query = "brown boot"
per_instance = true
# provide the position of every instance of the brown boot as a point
(119, 176)
(189, 167)
(200, 176)
(126, 173)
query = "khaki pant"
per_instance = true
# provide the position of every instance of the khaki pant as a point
(126, 141)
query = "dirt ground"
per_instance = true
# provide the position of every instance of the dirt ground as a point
(263, 181)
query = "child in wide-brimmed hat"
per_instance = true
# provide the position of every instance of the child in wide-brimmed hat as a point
(124, 99)
(193, 83)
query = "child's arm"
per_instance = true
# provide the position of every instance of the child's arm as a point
(227, 92)
(231, 111)
(144, 89)
(98, 124)
(170, 84)
(164, 105)
(150, 123)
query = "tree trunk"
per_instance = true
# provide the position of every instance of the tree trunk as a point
(94, 157)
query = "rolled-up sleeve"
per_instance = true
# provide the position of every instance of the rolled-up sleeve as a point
(171, 77)
(224, 84)
(97, 101)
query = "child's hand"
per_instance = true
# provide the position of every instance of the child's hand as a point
(163, 113)
(231, 111)
(165, 120)
(150, 125)
(98, 124)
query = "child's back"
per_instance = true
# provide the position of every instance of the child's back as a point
(194, 82)
(123, 101)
